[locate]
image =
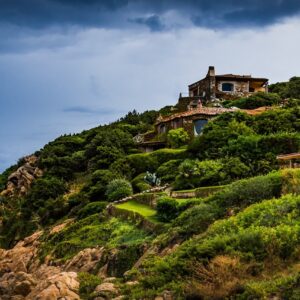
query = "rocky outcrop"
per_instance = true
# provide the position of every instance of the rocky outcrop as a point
(85, 261)
(19, 182)
(59, 286)
(22, 277)
(106, 290)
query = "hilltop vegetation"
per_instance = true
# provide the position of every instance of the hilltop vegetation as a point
(238, 236)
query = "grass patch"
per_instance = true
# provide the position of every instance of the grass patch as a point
(188, 200)
(142, 209)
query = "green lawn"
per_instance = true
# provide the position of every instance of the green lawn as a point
(188, 200)
(144, 210)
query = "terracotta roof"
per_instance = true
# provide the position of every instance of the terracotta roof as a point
(212, 111)
(206, 111)
(288, 156)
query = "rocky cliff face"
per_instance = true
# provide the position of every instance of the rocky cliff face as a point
(24, 277)
(20, 181)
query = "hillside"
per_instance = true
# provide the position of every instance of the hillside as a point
(213, 216)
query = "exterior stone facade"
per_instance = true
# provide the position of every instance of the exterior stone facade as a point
(227, 86)
(192, 121)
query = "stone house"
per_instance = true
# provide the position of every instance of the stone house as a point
(227, 86)
(193, 121)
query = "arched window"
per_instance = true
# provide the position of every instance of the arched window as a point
(227, 87)
(198, 126)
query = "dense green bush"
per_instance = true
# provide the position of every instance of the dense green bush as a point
(95, 187)
(166, 209)
(196, 219)
(87, 284)
(195, 173)
(290, 89)
(91, 208)
(177, 137)
(43, 189)
(169, 209)
(233, 135)
(168, 171)
(248, 191)
(254, 101)
(118, 189)
(218, 133)
(277, 120)
(139, 184)
(144, 162)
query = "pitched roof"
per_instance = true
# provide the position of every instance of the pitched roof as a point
(211, 111)
(234, 76)
(206, 111)
(241, 77)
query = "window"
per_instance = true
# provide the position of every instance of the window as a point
(162, 128)
(227, 87)
(198, 126)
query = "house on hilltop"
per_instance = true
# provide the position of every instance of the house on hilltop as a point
(193, 112)
(227, 86)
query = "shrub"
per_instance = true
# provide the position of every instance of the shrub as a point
(194, 173)
(45, 188)
(168, 170)
(144, 162)
(254, 101)
(291, 181)
(139, 184)
(166, 209)
(290, 89)
(140, 163)
(87, 284)
(118, 189)
(234, 169)
(277, 120)
(196, 219)
(247, 191)
(95, 188)
(91, 208)
(177, 137)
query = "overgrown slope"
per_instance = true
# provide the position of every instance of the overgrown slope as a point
(238, 236)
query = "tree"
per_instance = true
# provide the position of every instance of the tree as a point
(118, 189)
(177, 137)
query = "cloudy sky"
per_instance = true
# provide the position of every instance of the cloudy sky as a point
(69, 65)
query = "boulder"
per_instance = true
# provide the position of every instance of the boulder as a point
(85, 261)
(106, 290)
(60, 286)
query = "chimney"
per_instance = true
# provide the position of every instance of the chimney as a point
(211, 71)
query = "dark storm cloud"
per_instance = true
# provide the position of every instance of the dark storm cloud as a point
(153, 22)
(120, 13)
